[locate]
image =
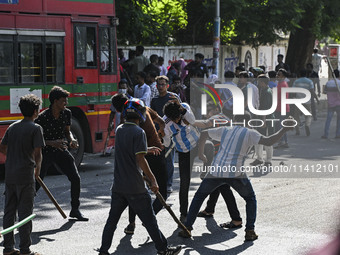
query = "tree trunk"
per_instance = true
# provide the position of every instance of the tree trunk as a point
(300, 49)
(301, 42)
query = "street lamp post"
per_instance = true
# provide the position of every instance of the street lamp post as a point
(216, 43)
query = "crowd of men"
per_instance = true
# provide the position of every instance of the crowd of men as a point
(154, 118)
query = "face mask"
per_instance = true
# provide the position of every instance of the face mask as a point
(122, 91)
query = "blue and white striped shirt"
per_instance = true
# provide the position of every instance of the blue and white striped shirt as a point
(184, 136)
(235, 143)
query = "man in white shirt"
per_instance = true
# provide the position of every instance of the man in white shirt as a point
(226, 168)
(333, 102)
(316, 60)
(244, 83)
(142, 90)
(179, 125)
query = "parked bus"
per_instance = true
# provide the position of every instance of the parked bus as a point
(69, 43)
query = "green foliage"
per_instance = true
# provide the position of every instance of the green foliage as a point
(150, 22)
(255, 22)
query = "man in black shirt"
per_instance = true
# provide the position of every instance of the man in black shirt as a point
(56, 123)
(153, 66)
(198, 66)
(281, 64)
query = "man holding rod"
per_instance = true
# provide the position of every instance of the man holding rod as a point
(56, 124)
(22, 145)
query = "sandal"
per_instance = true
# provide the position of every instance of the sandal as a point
(205, 214)
(230, 225)
(13, 252)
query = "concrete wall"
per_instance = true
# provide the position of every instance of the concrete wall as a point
(230, 55)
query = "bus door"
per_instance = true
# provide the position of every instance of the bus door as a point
(108, 75)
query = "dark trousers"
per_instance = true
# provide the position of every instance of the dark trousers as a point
(185, 162)
(18, 198)
(65, 161)
(229, 199)
(157, 165)
(141, 204)
(313, 107)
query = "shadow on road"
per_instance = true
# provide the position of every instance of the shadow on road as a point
(42, 235)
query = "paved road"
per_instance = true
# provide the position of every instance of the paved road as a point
(294, 213)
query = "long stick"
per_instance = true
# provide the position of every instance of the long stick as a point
(333, 75)
(106, 142)
(18, 225)
(49, 194)
(168, 208)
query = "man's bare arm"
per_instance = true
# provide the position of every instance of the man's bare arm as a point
(143, 164)
(37, 159)
(73, 142)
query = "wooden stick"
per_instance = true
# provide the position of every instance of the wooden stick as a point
(168, 208)
(333, 75)
(49, 194)
(106, 142)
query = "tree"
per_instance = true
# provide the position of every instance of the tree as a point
(149, 22)
(254, 22)
(319, 19)
(200, 15)
(260, 22)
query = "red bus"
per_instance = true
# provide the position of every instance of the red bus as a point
(69, 43)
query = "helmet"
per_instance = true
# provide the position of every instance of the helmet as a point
(134, 108)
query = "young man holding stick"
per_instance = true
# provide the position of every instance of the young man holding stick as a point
(56, 123)
(128, 188)
(22, 145)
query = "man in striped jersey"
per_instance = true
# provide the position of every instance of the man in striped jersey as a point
(215, 117)
(179, 121)
(226, 168)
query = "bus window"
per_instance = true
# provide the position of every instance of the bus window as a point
(107, 53)
(54, 60)
(30, 62)
(85, 46)
(6, 60)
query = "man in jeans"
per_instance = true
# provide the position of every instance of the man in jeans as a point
(179, 124)
(128, 186)
(333, 100)
(157, 104)
(235, 144)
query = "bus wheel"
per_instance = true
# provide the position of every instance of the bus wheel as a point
(77, 133)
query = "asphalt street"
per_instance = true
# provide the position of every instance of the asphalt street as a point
(297, 209)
